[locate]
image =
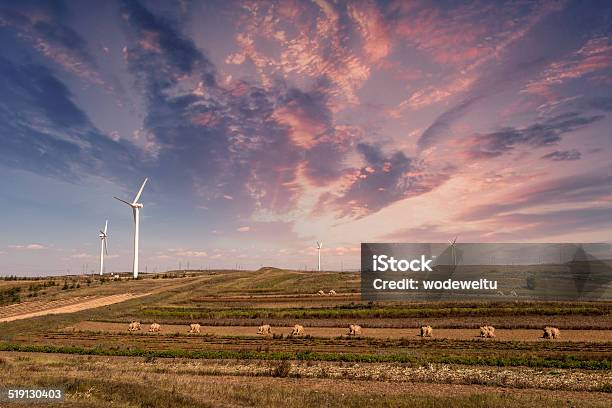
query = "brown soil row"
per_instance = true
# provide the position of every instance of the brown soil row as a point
(298, 296)
(452, 334)
(462, 322)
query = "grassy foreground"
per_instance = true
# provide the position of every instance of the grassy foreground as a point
(129, 382)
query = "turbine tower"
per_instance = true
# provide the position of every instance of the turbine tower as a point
(136, 206)
(103, 247)
(319, 246)
(452, 246)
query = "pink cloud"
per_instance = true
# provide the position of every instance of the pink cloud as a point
(28, 247)
(81, 255)
(595, 56)
(373, 30)
(192, 254)
(452, 36)
(35, 26)
(185, 253)
(313, 46)
(205, 119)
(303, 129)
(431, 94)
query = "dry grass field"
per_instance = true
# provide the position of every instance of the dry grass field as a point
(85, 348)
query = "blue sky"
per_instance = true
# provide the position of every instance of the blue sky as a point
(264, 126)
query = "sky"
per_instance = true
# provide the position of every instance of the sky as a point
(264, 126)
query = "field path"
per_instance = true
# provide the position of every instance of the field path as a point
(70, 306)
(27, 310)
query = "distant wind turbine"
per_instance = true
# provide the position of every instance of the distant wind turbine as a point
(319, 246)
(453, 254)
(103, 246)
(136, 206)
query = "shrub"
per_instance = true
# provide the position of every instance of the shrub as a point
(283, 369)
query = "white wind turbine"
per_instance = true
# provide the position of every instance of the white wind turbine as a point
(319, 246)
(452, 246)
(136, 206)
(103, 246)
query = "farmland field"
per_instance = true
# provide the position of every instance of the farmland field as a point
(89, 352)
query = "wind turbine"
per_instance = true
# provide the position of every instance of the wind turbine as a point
(103, 246)
(452, 246)
(136, 206)
(319, 246)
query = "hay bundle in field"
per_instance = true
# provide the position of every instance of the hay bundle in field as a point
(298, 330)
(194, 328)
(551, 333)
(354, 330)
(154, 328)
(321, 293)
(265, 330)
(134, 326)
(556, 333)
(487, 331)
(332, 293)
(426, 331)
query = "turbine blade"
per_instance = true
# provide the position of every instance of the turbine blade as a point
(134, 213)
(105, 227)
(105, 247)
(123, 201)
(140, 191)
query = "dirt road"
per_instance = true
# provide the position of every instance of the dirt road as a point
(74, 304)
(69, 306)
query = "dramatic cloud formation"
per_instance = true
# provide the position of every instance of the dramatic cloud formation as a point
(270, 124)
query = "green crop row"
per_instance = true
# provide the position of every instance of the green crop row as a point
(380, 312)
(568, 361)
